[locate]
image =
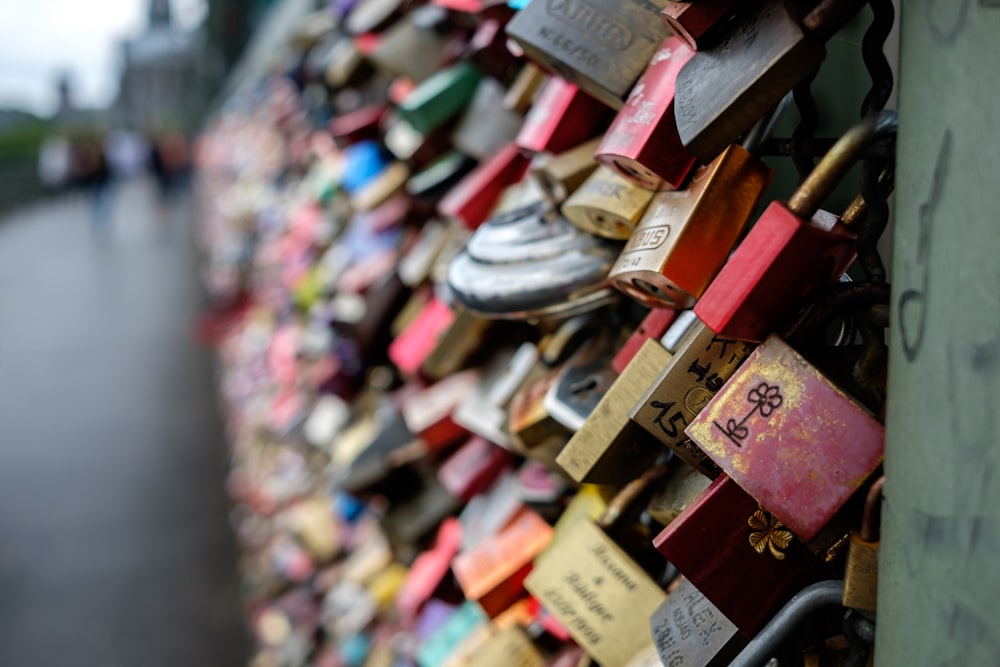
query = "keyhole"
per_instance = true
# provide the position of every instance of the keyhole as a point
(585, 386)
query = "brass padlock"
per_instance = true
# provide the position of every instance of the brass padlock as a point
(560, 175)
(607, 205)
(723, 91)
(700, 367)
(600, 45)
(680, 487)
(596, 591)
(861, 575)
(415, 45)
(686, 235)
(609, 447)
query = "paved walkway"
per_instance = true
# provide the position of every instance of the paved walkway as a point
(114, 545)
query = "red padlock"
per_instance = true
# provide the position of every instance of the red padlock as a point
(740, 557)
(642, 142)
(793, 249)
(561, 117)
(697, 23)
(473, 198)
(793, 440)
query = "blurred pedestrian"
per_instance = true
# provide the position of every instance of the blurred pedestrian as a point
(92, 172)
(54, 163)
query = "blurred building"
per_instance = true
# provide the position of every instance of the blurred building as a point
(163, 75)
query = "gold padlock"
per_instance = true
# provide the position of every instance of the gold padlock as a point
(609, 447)
(607, 205)
(560, 175)
(861, 575)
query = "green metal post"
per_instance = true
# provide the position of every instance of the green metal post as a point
(939, 588)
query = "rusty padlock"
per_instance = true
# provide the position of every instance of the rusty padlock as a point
(861, 575)
(642, 143)
(793, 249)
(723, 91)
(686, 235)
(792, 439)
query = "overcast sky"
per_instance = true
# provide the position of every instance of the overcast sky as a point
(40, 38)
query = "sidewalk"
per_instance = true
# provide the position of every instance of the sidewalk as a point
(114, 543)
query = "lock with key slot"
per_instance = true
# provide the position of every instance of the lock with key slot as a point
(686, 235)
(607, 205)
(793, 249)
(723, 91)
(641, 143)
(600, 45)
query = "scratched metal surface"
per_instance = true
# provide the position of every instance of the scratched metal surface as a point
(940, 578)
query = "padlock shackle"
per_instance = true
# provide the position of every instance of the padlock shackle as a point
(871, 519)
(828, 17)
(630, 494)
(762, 131)
(838, 160)
(855, 213)
(769, 640)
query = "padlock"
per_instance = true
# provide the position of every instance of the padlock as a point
(599, 45)
(358, 125)
(686, 235)
(560, 175)
(473, 198)
(376, 192)
(642, 143)
(585, 377)
(562, 117)
(487, 125)
(518, 265)
(492, 572)
(700, 367)
(433, 182)
(487, 50)
(342, 62)
(509, 646)
(609, 447)
(436, 648)
(415, 45)
(739, 556)
(607, 205)
(793, 249)
(861, 574)
(428, 411)
(723, 91)
(473, 468)
(689, 630)
(483, 410)
(372, 15)
(699, 23)
(524, 87)
(416, 148)
(682, 485)
(596, 591)
(792, 439)
(486, 514)
(429, 569)
(440, 97)
(534, 432)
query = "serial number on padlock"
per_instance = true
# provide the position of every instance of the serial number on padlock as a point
(569, 47)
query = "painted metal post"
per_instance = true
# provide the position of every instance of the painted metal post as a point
(939, 588)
